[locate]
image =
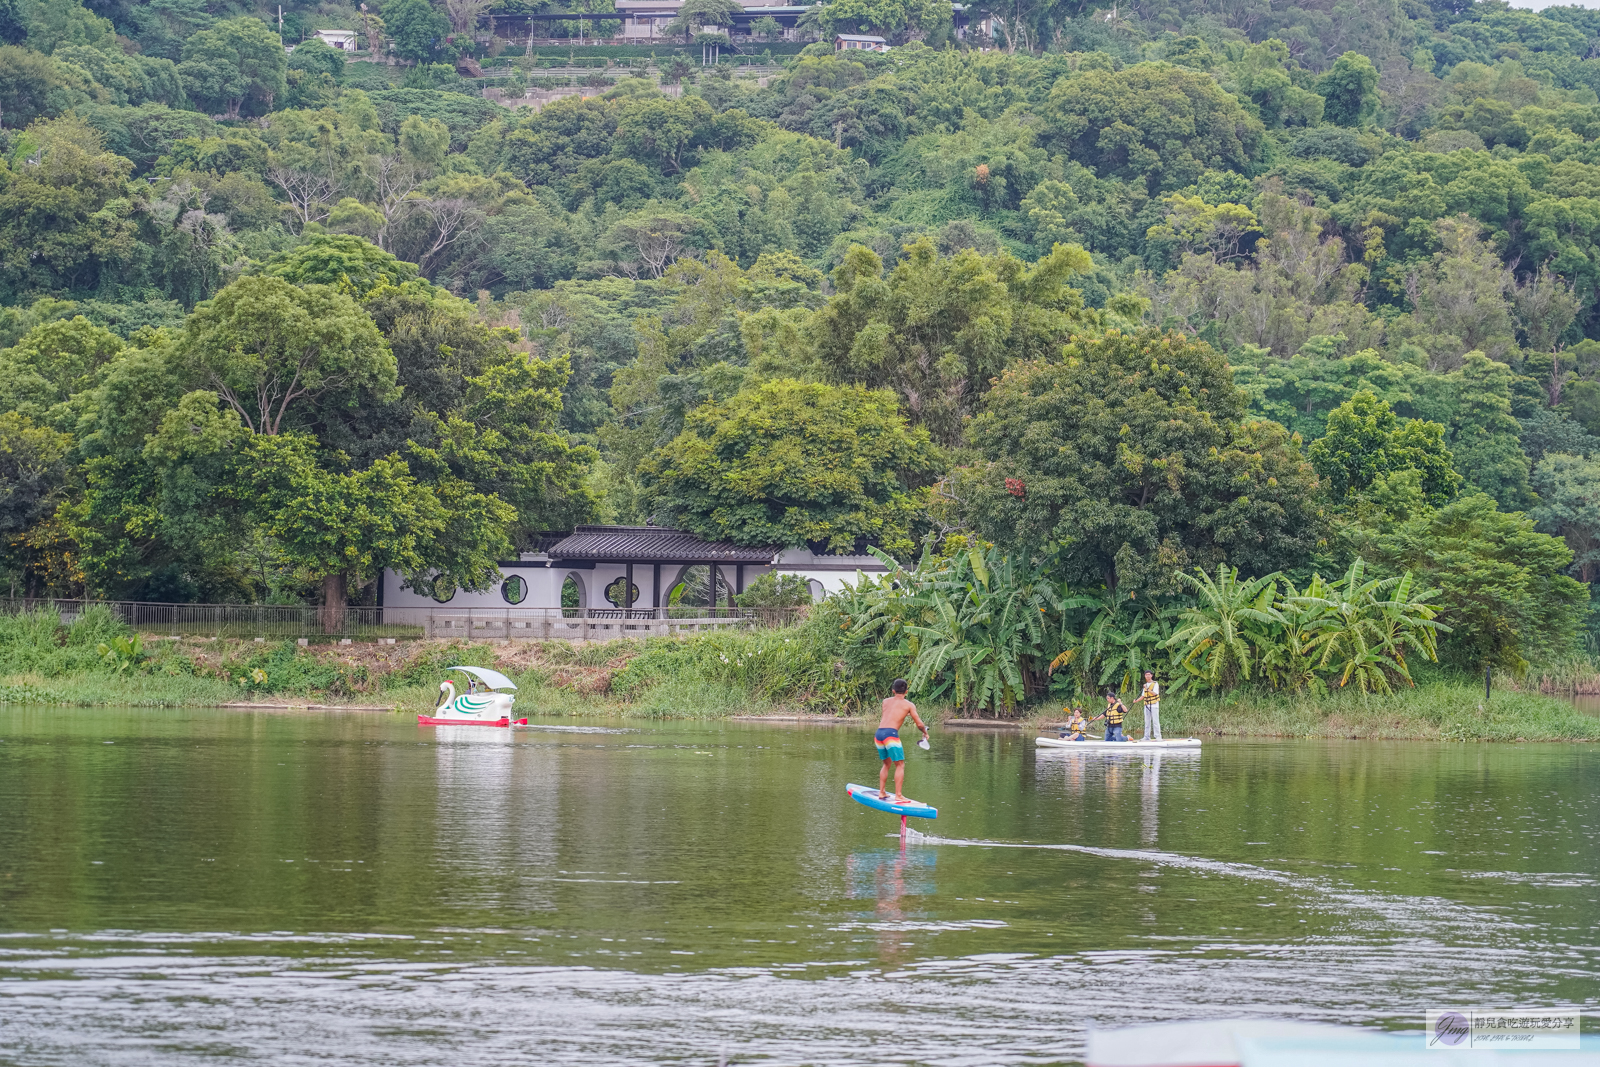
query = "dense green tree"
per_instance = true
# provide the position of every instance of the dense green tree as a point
(1502, 588)
(339, 260)
(1484, 437)
(317, 57)
(415, 27)
(1130, 457)
(236, 65)
(65, 214)
(797, 463)
(1364, 441)
(52, 362)
(342, 527)
(1160, 125)
(1569, 507)
(937, 329)
(1350, 89)
(32, 86)
(35, 469)
(271, 349)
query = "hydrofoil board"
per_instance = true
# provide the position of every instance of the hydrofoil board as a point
(868, 795)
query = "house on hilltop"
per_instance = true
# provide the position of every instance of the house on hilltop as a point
(843, 42)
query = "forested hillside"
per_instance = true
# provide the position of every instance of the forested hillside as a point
(1133, 290)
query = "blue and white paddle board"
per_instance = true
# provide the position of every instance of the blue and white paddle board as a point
(868, 795)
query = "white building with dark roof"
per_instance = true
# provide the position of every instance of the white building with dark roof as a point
(634, 569)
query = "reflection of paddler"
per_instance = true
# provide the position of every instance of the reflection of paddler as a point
(887, 740)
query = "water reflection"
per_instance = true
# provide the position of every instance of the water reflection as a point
(889, 876)
(354, 889)
(497, 817)
(1120, 774)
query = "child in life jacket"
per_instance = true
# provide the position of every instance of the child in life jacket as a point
(1075, 725)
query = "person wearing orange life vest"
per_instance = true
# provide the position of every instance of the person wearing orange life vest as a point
(1150, 697)
(1115, 712)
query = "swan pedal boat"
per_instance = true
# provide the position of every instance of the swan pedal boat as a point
(1126, 746)
(474, 708)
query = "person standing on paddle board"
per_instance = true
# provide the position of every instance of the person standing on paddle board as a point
(1150, 697)
(887, 740)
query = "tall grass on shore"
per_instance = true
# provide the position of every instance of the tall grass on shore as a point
(1441, 710)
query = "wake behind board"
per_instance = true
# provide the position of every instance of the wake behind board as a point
(868, 795)
(1126, 746)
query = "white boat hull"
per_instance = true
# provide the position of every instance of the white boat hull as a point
(1127, 746)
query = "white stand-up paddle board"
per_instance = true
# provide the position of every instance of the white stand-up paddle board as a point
(1130, 746)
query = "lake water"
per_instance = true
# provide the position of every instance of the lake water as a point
(304, 888)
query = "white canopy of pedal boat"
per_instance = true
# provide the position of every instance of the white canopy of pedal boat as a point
(492, 679)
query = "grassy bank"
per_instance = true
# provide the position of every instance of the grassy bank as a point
(806, 668)
(1437, 710)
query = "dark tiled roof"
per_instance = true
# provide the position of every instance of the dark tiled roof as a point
(653, 544)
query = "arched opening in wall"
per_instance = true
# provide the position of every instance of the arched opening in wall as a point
(514, 590)
(442, 588)
(817, 592)
(692, 589)
(573, 597)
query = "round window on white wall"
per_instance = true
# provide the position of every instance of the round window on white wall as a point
(514, 590)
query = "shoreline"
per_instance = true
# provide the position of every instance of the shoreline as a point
(712, 679)
(1510, 717)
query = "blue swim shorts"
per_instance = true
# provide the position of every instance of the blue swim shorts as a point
(887, 742)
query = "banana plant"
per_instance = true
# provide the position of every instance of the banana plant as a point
(973, 625)
(1286, 660)
(1218, 637)
(1351, 637)
(1367, 625)
(1135, 646)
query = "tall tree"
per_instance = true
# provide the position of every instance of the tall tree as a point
(1350, 90)
(270, 348)
(794, 463)
(234, 65)
(1130, 458)
(415, 27)
(1484, 437)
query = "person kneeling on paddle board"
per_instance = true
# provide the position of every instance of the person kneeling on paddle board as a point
(1073, 730)
(887, 740)
(1115, 712)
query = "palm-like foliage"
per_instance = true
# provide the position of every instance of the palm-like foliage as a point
(1286, 657)
(988, 627)
(979, 628)
(1366, 625)
(973, 625)
(1219, 638)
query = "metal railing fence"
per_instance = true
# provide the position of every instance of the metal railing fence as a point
(291, 621)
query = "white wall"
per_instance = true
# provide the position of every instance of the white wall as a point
(827, 574)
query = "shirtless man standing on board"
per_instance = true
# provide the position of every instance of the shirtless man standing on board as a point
(887, 740)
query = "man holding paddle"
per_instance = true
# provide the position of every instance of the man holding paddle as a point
(887, 740)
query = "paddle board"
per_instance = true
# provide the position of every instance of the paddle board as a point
(1130, 746)
(868, 795)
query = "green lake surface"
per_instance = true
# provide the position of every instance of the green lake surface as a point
(185, 886)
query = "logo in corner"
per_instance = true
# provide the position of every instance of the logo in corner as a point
(1450, 1029)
